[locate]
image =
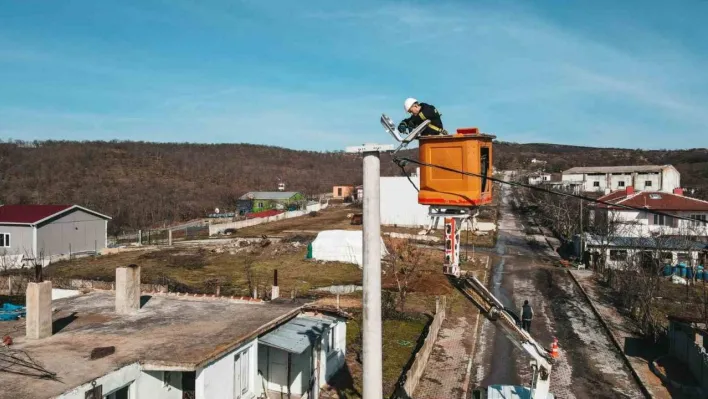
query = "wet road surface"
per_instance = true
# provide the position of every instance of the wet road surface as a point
(589, 366)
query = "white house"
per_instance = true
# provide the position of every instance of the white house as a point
(622, 251)
(539, 178)
(664, 178)
(399, 202)
(167, 346)
(641, 223)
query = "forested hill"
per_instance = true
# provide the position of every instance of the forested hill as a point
(142, 184)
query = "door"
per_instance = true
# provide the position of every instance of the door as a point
(278, 370)
(242, 380)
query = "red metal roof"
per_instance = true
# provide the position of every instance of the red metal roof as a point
(656, 200)
(263, 214)
(29, 213)
(666, 201)
(611, 197)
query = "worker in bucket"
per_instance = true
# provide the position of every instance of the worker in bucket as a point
(420, 112)
(526, 316)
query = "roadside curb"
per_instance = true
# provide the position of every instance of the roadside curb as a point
(645, 390)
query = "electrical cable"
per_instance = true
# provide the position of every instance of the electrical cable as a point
(402, 161)
(407, 175)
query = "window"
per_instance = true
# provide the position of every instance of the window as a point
(4, 240)
(654, 196)
(331, 342)
(647, 183)
(596, 184)
(123, 393)
(699, 220)
(260, 204)
(684, 258)
(667, 257)
(618, 254)
(663, 220)
(620, 184)
(484, 163)
(242, 375)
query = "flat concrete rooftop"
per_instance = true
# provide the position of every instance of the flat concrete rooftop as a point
(166, 333)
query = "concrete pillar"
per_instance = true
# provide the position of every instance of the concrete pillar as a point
(39, 310)
(128, 289)
(371, 334)
(275, 289)
(169, 237)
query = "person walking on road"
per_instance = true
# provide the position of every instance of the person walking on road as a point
(526, 316)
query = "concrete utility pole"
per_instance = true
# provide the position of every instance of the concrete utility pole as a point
(372, 332)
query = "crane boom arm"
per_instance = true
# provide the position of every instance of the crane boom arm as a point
(495, 311)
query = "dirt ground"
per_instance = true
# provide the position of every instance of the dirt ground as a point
(337, 218)
(235, 268)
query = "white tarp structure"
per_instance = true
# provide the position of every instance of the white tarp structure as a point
(340, 246)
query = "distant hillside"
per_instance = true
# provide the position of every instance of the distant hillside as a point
(142, 184)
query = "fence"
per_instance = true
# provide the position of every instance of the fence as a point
(682, 346)
(415, 372)
(17, 285)
(162, 236)
(221, 227)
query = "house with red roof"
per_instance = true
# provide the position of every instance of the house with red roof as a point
(690, 214)
(48, 231)
(668, 227)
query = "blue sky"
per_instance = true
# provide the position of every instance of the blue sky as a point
(318, 74)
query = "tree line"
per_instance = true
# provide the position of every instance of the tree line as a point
(143, 184)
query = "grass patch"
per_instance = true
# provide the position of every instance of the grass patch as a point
(200, 269)
(400, 339)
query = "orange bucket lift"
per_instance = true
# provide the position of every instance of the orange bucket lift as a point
(451, 195)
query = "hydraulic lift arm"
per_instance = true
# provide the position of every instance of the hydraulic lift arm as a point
(495, 311)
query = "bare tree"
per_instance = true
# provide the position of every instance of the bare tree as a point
(403, 262)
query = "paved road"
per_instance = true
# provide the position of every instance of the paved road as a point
(589, 365)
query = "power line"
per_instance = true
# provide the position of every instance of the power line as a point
(401, 163)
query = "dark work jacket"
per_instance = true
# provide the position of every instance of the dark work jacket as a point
(427, 111)
(527, 313)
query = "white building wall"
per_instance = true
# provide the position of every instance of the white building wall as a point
(641, 180)
(335, 359)
(617, 178)
(216, 379)
(399, 203)
(159, 385)
(641, 224)
(110, 382)
(671, 179)
(590, 180)
(573, 177)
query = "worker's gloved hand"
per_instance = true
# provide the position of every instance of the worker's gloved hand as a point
(402, 127)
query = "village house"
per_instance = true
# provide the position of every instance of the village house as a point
(30, 232)
(603, 179)
(343, 191)
(640, 223)
(638, 234)
(123, 345)
(538, 178)
(258, 201)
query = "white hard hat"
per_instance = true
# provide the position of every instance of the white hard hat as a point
(409, 103)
